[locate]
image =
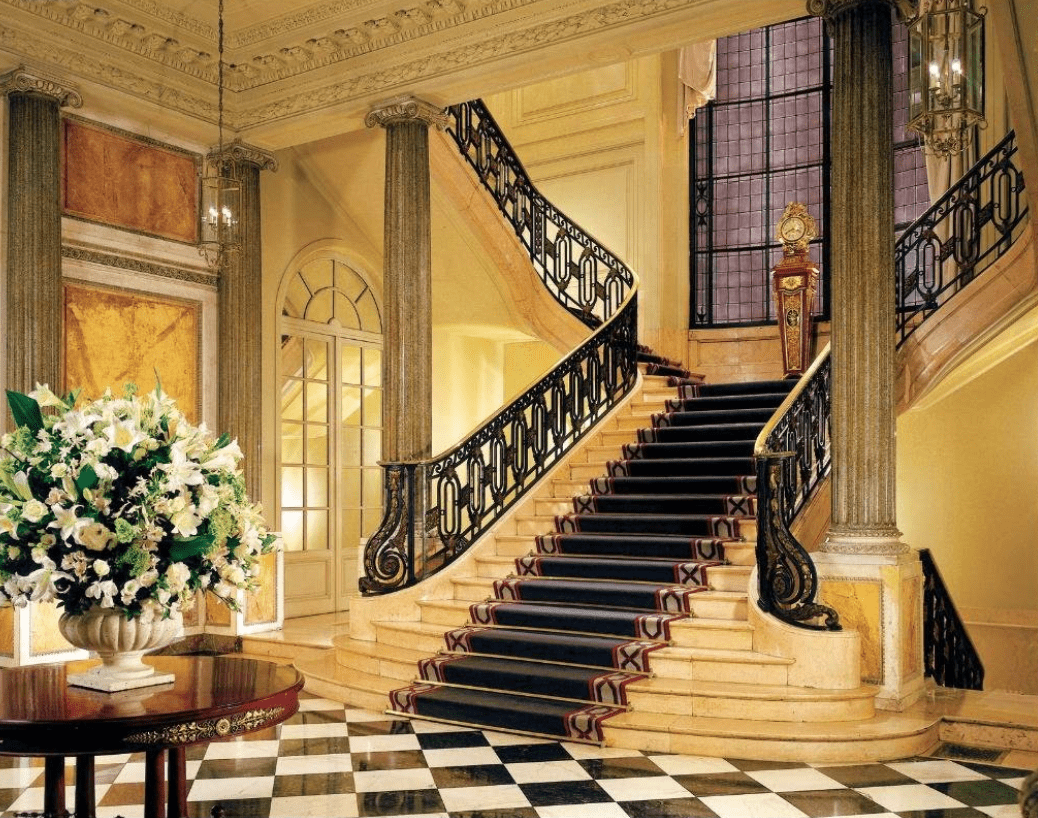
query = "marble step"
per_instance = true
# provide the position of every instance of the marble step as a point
(381, 658)
(568, 489)
(325, 677)
(742, 552)
(717, 634)
(513, 545)
(708, 604)
(424, 636)
(885, 736)
(274, 647)
(751, 701)
(718, 665)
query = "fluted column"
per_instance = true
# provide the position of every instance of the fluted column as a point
(868, 574)
(33, 304)
(407, 278)
(240, 310)
(861, 234)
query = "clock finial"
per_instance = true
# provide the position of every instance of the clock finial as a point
(795, 229)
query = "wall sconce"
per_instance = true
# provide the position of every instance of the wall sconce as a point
(946, 75)
(221, 191)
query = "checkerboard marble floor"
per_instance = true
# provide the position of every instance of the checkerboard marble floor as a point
(328, 760)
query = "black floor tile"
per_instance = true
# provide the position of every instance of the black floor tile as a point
(629, 767)
(232, 808)
(979, 793)
(747, 764)
(669, 808)
(830, 803)
(324, 746)
(313, 784)
(237, 768)
(392, 760)
(476, 775)
(380, 728)
(859, 776)
(514, 812)
(956, 812)
(720, 784)
(518, 753)
(565, 792)
(442, 741)
(399, 802)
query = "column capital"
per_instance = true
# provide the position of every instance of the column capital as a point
(239, 153)
(830, 9)
(406, 109)
(23, 81)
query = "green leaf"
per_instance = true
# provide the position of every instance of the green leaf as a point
(158, 384)
(87, 478)
(223, 441)
(25, 410)
(192, 547)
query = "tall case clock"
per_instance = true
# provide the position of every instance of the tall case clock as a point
(795, 280)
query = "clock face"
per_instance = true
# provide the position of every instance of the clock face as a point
(792, 229)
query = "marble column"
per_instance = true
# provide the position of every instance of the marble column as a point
(240, 313)
(33, 300)
(407, 278)
(863, 547)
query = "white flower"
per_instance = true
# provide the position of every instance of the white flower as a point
(101, 568)
(47, 540)
(8, 527)
(44, 397)
(67, 520)
(223, 459)
(21, 486)
(129, 591)
(103, 591)
(185, 522)
(59, 470)
(177, 576)
(224, 590)
(13, 552)
(42, 582)
(94, 536)
(233, 574)
(55, 496)
(33, 511)
(149, 578)
(181, 470)
(123, 434)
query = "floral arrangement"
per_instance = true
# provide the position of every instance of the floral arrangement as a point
(122, 503)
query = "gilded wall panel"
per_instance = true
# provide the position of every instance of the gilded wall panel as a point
(216, 613)
(860, 605)
(114, 337)
(45, 636)
(261, 606)
(7, 631)
(911, 627)
(117, 179)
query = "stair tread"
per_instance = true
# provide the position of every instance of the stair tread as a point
(739, 690)
(720, 655)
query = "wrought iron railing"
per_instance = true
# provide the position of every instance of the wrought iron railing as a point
(580, 273)
(948, 653)
(793, 455)
(963, 232)
(436, 508)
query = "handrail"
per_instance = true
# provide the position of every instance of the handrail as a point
(961, 234)
(436, 508)
(582, 275)
(793, 455)
(949, 655)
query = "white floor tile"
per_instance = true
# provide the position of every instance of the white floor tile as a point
(509, 739)
(314, 806)
(605, 810)
(323, 730)
(241, 749)
(1001, 811)
(15, 778)
(906, 797)
(466, 799)
(794, 780)
(692, 765)
(645, 788)
(313, 764)
(461, 756)
(541, 772)
(586, 751)
(936, 771)
(757, 805)
(387, 780)
(231, 789)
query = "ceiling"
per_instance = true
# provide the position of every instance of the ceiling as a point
(299, 70)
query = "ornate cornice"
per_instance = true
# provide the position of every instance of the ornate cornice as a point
(240, 153)
(137, 265)
(830, 9)
(406, 109)
(23, 81)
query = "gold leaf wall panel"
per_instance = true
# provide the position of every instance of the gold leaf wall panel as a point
(261, 606)
(860, 605)
(114, 337)
(6, 631)
(117, 179)
(45, 636)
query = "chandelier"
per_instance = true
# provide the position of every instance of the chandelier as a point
(221, 191)
(946, 75)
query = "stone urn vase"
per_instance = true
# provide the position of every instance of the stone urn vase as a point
(120, 642)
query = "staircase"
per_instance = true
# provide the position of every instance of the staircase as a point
(615, 609)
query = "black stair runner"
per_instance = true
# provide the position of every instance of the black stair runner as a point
(556, 647)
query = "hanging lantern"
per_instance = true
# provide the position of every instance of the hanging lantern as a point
(221, 190)
(946, 79)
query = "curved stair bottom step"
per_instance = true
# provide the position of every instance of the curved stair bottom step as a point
(885, 737)
(492, 710)
(325, 677)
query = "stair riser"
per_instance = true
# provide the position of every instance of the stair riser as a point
(405, 638)
(836, 751)
(689, 636)
(560, 505)
(494, 570)
(728, 580)
(755, 709)
(701, 670)
(279, 650)
(708, 608)
(585, 471)
(513, 545)
(742, 553)
(535, 525)
(375, 701)
(565, 489)
(390, 670)
(448, 617)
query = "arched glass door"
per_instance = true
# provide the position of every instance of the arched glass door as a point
(330, 487)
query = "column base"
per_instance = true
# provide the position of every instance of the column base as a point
(881, 542)
(879, 593)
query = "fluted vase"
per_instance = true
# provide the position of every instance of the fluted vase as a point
(120, 643)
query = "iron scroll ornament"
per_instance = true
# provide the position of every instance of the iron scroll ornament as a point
(787, 582)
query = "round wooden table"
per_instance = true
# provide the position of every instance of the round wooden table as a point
(211, 698)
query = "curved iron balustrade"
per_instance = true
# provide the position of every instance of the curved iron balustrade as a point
(793, 455)
(436, 508)
(962, 233)
(580, 273)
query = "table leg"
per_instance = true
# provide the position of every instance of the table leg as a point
(85, 803)
(54, 786)
(154, 784)
(177, 784)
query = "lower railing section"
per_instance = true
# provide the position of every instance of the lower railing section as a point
(436, 508)
(949, 656)
(792, 454)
